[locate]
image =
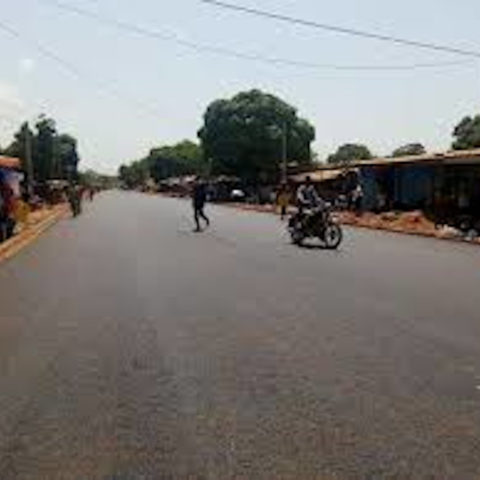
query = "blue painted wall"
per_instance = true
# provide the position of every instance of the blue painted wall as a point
(409, 185)
(413, 185)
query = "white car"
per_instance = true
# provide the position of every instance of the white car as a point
(237, 194)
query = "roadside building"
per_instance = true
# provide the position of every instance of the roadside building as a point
(220, 188)
(444, 185)
(177, 186)
(331, 182)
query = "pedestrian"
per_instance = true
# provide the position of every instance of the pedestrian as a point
(3, 219)
(283, 199)
(357, 199)
(73, 195)
(199, 198)
(79, 194)
(7, 208)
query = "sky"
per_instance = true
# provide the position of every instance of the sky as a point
(121, 94)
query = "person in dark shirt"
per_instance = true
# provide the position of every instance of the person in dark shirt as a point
(7, 206)
(199, 198)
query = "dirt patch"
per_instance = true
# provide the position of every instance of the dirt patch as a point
(412, 223)
(37, 222)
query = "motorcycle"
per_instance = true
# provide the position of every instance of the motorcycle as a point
(319, 223)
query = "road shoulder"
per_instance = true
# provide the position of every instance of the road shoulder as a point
(31, 232)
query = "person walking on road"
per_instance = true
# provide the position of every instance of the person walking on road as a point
(199, 198)
(283, 199)
(74, 198)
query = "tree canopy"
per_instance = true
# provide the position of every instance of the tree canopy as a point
(183, 158)
(348, 153)
(67, 155)
(467, 134)
(409, 149)
(243, 135)
(175, 160)
(91, 178)
(54, 154)
(135, 174)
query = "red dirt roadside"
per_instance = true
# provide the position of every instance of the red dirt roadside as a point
(38, 222)
(407, 223)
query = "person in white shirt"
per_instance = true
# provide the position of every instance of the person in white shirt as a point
(308, 197)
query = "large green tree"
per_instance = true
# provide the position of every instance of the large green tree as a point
(45, 151)
(67, 156)
(135, 174)
(244, 135)
(91, 178)
(53, 155)
(467, 134)
(348, 153)
(409, 149)
(175, 160)
(18, 148)
(183, 158)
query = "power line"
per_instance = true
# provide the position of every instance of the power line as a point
(73, 70)
(343, 30)
(164, 36)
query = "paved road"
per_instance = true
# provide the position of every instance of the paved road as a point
(132, 348)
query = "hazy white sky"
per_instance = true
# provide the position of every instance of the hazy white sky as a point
(158, 90)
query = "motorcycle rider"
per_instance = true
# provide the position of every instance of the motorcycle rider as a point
(313, 218)
(309, 200)
(308, 197)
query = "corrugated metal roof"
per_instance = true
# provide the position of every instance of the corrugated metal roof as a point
(456, 157)
(452, 157)
(9, 162)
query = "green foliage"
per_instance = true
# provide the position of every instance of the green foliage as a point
(67, 155)
(409, 149)
(45, 153)
(91, 178)
(348, 153)
(163, 162)
(54, 155)
(467, 134)
(135, 174)
(18, 147)
(243, 135)
(175, 160)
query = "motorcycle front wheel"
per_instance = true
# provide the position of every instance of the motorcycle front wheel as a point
(332, 236)
(296, 235)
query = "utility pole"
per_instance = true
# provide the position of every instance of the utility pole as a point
(284, 152)
(210, 168)
(28, 158)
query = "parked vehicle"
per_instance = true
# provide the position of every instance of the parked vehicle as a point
(318, 223)
(237, 195)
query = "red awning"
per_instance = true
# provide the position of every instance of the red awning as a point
(10, 162)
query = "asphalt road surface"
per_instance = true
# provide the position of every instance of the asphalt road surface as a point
(133, 348)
